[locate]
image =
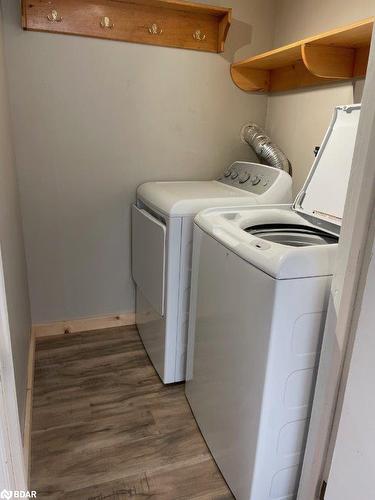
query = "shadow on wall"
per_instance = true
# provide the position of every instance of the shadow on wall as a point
(240, 35)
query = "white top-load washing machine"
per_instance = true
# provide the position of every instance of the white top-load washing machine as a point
(260, 288)
(162, 232)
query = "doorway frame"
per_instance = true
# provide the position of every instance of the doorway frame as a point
(12, 465)
(348, 283)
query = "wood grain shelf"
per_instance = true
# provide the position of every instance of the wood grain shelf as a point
(339, 54)
(170, 23)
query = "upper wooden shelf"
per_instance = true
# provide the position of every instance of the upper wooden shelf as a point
(339, 54)
(170, 23)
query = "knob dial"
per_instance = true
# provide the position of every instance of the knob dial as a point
(227, 172)
(244, 177)
(256, 180)
(234, 175)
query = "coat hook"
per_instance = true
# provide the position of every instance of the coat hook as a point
(106, 23)
(154, 29)
(198, 35)
(54, 17)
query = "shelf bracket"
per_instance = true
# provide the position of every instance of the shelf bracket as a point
(294, 76)
(326, 61)
(251, 79)
(224, 26)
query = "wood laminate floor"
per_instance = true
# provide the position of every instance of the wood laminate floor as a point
(105, 427)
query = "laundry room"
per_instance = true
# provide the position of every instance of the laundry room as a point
(186, 241)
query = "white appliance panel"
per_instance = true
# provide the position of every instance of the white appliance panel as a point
(324, 192)
(279, 261)
(228, 357)
(298, 319)
(161, 334)
(151, 327)
(253, 347)
(148, 256)
(184, 295)
(186, 198)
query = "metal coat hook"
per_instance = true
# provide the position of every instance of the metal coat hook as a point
(154, 29)
(106, 23)
(198, 35)
(54, 17)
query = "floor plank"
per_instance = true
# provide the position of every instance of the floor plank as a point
(105, 427)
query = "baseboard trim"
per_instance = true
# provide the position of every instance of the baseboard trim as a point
(82, 325)
(29, 407)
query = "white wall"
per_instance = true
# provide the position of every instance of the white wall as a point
(12, 249)
(297, 120)
(353, 465)
(92, 120)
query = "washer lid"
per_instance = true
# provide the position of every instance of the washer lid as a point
(322, 198)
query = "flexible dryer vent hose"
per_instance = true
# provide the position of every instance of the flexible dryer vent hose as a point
(267, 152)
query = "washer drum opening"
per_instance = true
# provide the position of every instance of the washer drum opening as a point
(293, 235)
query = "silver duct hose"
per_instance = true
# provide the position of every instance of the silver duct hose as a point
(267, 152)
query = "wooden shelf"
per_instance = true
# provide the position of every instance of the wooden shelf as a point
(170, 23)
(340, 54)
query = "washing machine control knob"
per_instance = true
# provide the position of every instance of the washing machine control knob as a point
(227, 172)
(244, 177)
(234, 174)
(256, 180)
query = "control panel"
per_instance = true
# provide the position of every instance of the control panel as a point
(251, 177)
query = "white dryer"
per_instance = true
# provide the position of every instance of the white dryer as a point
(260, 288)
(162, 232)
